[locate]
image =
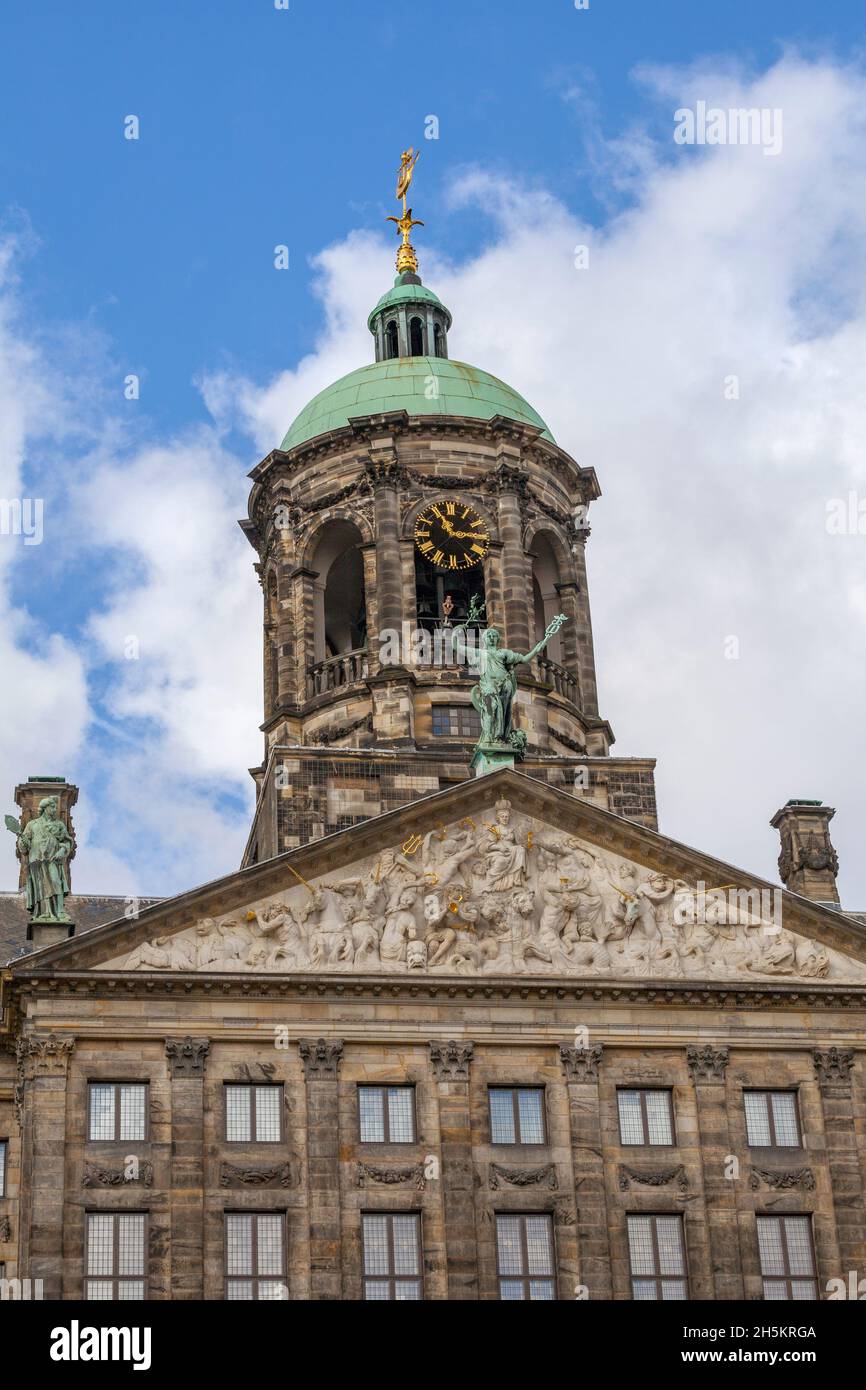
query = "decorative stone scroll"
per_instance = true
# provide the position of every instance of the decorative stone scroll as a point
(321, 1059)
(707, 1063)
(413, 1173)
(783, 1181)
(44, 1055)
(187, 1056)
(544, 1176)
(504, 894)
(138, 1171)
(581, 1063)
(652, 1177)
(278, 1175)
(450, 1061)
(833, 1067)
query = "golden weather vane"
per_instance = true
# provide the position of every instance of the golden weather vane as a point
(406, 258)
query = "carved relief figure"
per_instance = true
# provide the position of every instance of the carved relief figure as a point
(503, 896)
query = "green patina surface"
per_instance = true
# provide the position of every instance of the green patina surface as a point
(405, 384)
(406, 294)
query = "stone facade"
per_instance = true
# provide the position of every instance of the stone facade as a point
(96, 1009)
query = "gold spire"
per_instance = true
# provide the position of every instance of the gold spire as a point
(406, 258)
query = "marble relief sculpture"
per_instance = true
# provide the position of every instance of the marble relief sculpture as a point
(503, 896)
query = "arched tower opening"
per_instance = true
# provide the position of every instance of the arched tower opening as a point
(339, 603)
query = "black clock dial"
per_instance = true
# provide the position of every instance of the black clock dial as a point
(451, 535)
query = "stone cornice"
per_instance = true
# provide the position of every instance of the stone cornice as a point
(105, 984)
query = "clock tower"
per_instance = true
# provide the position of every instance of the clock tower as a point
(412, 504)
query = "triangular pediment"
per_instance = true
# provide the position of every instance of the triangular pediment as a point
(501, 876)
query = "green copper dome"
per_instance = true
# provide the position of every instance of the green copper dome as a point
(404, 384)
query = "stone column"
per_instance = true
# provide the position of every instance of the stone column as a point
(833, 1069)
(186, 1063)
(583, 631)
(511, 484)
(707, 1066)
(321, 1060)
(386, 475)
(43, 1064)
(594, 1256)
(450, 1062)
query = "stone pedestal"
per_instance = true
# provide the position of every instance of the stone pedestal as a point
(490, 757)
(44, 934)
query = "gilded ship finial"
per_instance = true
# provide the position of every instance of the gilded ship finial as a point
(406, 258)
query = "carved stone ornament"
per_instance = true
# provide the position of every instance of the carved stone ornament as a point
(5, 1229)
(497, 1174)
(707, 1063)
(235, 1175)
(44, 1055)
(130, 1172)
(783, 1181)
(413, 1173)
(500, 894)
(187, 1056)
(833, 1067)
(652, 1177)
(321, 1059)
(450, 1061)
(581, 1063)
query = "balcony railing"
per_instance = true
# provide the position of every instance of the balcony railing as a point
(563, 682)
(347, 668)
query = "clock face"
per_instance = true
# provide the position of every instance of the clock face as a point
(451, 535)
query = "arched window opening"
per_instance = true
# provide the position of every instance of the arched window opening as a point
(545, 597)
(392, 348)
(416, 338)
(340, 612)
(271, 670)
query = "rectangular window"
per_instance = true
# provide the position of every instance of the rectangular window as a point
(387, 1114)
(115, 1255)
(517, 1115)
(772, 1121)
(455, 721)
(392, 1256)
(254, 1114)
(657, 1257)
(787, 1258)
(256, 1256)
(645, 1117)
(3, 1148)
(118, 1111)
(524, 1258)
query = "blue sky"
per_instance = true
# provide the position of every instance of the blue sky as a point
(260, 127)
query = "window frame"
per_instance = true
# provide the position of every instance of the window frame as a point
(657, 1277)
(515, 1109)
(125, 1081)
(526, 1278)
(643, 1092)
(788, 1278)
(252, 1086)
(114, 1278)
(391, 1278)
(452, 709)
(386, 1116)
(256, 1279)
(774, 1146)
